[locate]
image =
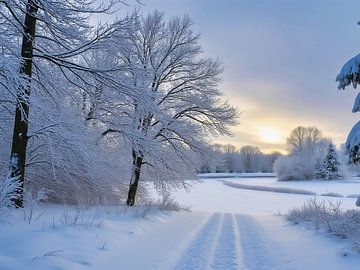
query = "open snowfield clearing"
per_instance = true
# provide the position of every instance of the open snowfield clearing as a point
(228, 228)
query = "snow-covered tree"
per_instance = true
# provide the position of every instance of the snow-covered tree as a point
(330, 167)
(307, 147)
(350, 75)
(175, 102)
(54, 35)
(64, 153)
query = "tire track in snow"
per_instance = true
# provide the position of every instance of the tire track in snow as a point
(224, 254)
(197, 254)
(252, 242)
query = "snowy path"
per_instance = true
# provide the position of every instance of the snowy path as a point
(225, 253)
(254, 246)
(197, 254)
(236, 241)
(228, 241)
(214, 247)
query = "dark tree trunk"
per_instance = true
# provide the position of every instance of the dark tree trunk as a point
(135, 177)
(20, 138)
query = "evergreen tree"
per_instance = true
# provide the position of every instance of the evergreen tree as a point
(330, 167)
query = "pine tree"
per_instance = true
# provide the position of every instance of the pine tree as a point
(330, 167)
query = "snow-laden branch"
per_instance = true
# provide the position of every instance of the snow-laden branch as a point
(350, 73)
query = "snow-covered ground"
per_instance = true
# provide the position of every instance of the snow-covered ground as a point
(235, 175)
(345, 188)
(227, 228)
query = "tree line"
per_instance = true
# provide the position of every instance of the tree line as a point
(249, 159)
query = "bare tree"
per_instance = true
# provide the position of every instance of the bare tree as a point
(229, 157)
(303, 138)
(249, 156)
(175, 103)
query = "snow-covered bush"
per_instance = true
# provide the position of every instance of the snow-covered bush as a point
(329, 216)
(299, 166)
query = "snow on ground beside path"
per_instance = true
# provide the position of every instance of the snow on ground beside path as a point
(121, 242)
(349, 187)
(215, 197)
(269, 189)
(297, 248)
(228, 228)
(234, 175)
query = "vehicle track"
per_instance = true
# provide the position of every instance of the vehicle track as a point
(197, 254)
(224, 255)
(253, 245)
(214, 246)
(217, 244)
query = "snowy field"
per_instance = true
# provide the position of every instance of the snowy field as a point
(227, 228)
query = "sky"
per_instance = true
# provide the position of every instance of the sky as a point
(280, 61)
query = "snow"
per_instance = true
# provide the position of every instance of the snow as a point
(346, 188)
(270, 189)
(358, 201)
(353, 138)
(356, 107)
(228, 228)
(8, 193)
(235, 175)
(349, 73)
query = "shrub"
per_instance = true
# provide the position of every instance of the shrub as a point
(329, 216)
(300, 166)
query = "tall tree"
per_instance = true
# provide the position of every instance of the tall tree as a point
(176, 102)
(20, 133)
(55, 34)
